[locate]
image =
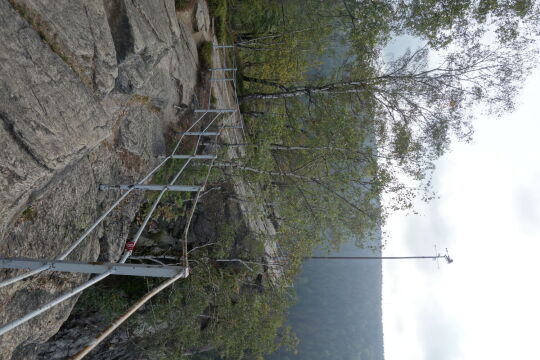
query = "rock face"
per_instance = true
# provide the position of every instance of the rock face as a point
(255, 216)
(87, 91)
(48, 117)
(76, 333)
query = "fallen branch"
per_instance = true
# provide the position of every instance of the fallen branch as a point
(198, 351)
(198, 247)
(120, 320)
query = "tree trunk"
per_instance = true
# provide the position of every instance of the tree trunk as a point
(339, 87)
(285, 147)
(224, 164)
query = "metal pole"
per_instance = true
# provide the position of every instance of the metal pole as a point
(119, 321)
(187, 188)
(195, 157)
(98, 278)
(215, 110)
(372, 257)
(71, 248)
(141, 302)
(23, 276)
(199, 133)
(93, 226)
(446, 257)
(127, 253)
(93, 268)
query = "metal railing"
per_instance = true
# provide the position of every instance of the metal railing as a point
(104, 270)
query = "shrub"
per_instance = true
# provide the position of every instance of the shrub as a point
(205, 54)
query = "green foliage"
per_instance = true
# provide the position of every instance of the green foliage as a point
(226, 239)
(326, 142)
(337, 141)
(278, 44)
(444, 22)
(28, 214)
(323, 152)
(219, 10)
(276, 41)
(205, 54)
(408, 110)
(181, 5)
(112, 296)
(223, 306)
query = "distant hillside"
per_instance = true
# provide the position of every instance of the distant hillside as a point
(338, 314)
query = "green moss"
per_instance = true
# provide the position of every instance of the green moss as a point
(28, 214)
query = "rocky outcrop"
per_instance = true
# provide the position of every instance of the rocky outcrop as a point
(48, 118)
(87, 91)
(256, 217)
(79, 33)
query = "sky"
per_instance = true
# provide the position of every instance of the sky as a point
(485, 305)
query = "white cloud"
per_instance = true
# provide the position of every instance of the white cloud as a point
(485, 304)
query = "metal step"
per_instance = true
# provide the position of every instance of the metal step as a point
(92, 268)
(215, 110)
(197, 133)
(150, 187)
(195, 157)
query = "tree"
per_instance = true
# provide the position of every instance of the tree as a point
(461, 21)
(402, 113)
(417, 109)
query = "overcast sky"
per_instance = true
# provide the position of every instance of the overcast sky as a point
(486, 305)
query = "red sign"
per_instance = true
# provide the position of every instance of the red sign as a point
(130, 245)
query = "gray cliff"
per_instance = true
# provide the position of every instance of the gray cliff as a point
(88, 91)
